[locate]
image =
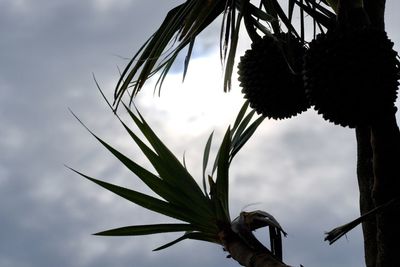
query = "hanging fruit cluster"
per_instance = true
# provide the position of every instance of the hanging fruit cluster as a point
(270, 76)
(349, 74)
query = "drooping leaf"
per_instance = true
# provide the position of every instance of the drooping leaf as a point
(270, 9)
(232, 52)
(147, 229)
(283, 17)
(179, 29)
(261, 27)
(187, 58)
(333, 235)
(186, 21)
(190, 235)
(259, 13)
(323, 9)
(321, 15)
(151, 48)
(122, 85)
(166, 66)
(251, 25)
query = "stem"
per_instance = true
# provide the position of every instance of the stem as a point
(247, 256)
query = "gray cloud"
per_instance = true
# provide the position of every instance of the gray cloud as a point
(48, 51)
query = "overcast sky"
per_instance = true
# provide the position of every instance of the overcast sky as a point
(300, 170)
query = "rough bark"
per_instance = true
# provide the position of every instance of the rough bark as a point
(365, 183)
(381, 157)
(385, 140)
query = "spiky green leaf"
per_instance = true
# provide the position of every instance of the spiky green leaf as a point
(240, 115)
(222, 180)
(243, 138)
(321, 15)
(143, 200)
(181, 178)
(191, 235)
(242, 126)
(147, 229)
(230, 62)
(166, 190)
(206, 156)
(179, 29)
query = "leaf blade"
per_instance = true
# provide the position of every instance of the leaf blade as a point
(183, 179)
(222, 180)
(243, 138)
(143, 200)
(150, 229)
(160, 187)
(190, 235)
(206, 156)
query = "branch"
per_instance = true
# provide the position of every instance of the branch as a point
(365, 176)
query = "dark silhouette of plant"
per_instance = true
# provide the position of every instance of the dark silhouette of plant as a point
(205, 213)
(348, 72)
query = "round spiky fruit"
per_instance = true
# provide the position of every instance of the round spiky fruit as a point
(270, 76)
(351, 76)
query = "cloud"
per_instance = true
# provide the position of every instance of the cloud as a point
(293, 168)
(47, 212)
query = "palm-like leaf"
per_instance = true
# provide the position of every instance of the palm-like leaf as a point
(148, 229)
(179, 29)
(180, 197)
(185, 22)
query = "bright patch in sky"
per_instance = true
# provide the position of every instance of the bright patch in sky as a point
(20, 5)
(298, 169)
(196, 104)
(104, 5)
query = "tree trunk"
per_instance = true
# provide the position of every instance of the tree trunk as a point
(365, 183)
(385, 139)
(377, 170)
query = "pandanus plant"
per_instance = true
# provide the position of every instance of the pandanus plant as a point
(348, 71)
(203, 212)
